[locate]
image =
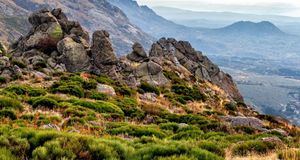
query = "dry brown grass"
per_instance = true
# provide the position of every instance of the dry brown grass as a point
(271, 156)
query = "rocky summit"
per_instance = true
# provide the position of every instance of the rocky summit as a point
(56, 44)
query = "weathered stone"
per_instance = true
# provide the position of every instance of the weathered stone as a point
(138, 54)
(245, 121)
(74, 55)
(149, 97)
(102, 51)
(106, 89)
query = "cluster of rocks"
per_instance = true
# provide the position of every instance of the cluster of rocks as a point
(56, 44)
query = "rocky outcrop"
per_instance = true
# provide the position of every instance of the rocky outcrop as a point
(138, 53)
(56, 44)
(245, 121)
(181, 53)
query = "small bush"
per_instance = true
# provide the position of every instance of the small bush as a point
(43, 102)
(124, 91)
(248, 147)
(90, 84)
(130, 107)
(212, 147)
(231, 106)
(98, 96)
(169, 126)
(2, 80)
(6, 154)
(105, 80)
(26, 90)
(137, 131)
(188, 93)
(147, 88)
(99, 106)
(8, 114)
(9, 103)
(70, 89)
(190, 134)
(19, 63)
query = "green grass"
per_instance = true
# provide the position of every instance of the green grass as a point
(9, 103)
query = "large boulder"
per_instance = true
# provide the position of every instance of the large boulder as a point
(245, 121)
(102, 51)
(138, 54)
(74, 55)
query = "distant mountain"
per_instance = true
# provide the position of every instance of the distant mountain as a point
(204, 19)
(93, 14)
(250, 28)
(152, 23)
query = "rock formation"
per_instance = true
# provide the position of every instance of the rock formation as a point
(56, 44)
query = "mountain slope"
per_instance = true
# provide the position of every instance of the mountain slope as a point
(63, 98)
(93, 15)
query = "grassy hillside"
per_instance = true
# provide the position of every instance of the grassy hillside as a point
(67, 117)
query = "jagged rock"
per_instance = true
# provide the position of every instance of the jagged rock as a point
(74, 55)
(182, 53)
(102, 51)
(138, 54)
(106, 89)
(245, 121)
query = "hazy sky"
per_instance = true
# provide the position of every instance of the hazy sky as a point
(276, 7)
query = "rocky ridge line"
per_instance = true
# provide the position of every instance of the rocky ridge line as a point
(56, 44)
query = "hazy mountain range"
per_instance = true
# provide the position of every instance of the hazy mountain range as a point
(222, 19)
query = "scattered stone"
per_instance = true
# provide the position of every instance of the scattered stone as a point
(106, 89)
(50, 126)
(245, 121)
(149, 97)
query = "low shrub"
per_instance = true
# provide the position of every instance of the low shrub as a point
(231, 106)
(125, 91)
(18, 63)
(169, 126)
(6, 154)
(130, 107)
(43, 102)
(98, 96)
(189, 134)
(175, 79)
(148, 88)
(212, 147)
(2, 80)
(137, 131)
(188, 118)
(105, 80)
(71, 89)
(258, 147)
(188, 93)
(26, 90)
(8, 114)
(9, 103)
(99, 106)
(89, 84)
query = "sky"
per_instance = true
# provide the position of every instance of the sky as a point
(269, 7)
